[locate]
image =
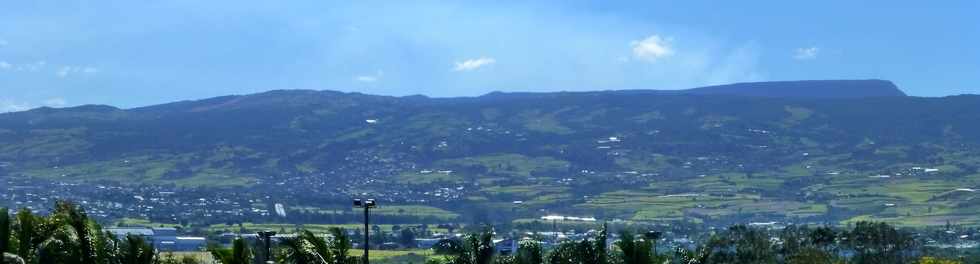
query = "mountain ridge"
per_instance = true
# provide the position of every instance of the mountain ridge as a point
(829, 89)
(826, 89)
(580, 153)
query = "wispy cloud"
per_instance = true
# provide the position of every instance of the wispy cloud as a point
(806, 53)
(7, 105)
(3, 42)
(65, 71)
(738, 65)
(28, 67)
(370, 78)
(366, 78)
(473, 64)
(32, 67)
(55, 102)
(652, 48)
(12, 105)
(40, 66)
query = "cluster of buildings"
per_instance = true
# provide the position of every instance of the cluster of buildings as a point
(164, 239)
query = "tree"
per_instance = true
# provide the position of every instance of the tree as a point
(564, 253)
(448, 247)
(75, 217)
(684, 256)
(339, 245)
(739, 244)
(879, 243)
(4, 230)
(378, 238)
(189, 260)
(752, 245)
(477, 249)
(801, 244)
(12, 259)
(809, 256)
(718, 249)
(5, 235)
(319, 244)
(69, 236)
(588, 251)
(795, 239)
(26, 234)
(824, 238)
(634, 252)
(530, 252)
(169, 258)
(299, 251)
(505, 260)
(135, 250)
(306, 248)
(601, 254)
(239, 253)
(407, 238)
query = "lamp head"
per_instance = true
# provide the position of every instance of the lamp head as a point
(369, 203)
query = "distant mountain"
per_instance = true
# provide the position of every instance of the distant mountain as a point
(806, 89)
(810, 150)
(815, 89)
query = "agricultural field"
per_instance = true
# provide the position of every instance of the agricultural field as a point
(400, 256)
(316, 228)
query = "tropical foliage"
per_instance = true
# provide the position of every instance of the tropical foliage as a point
(68, 236)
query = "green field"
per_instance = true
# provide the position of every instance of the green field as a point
(421, 211)
(316, 228)
(418, 256)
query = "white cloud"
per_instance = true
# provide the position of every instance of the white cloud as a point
(366, 78)
(65, 71)
(7, 105)
(10, 105)
(473, 64)
(738, 65)
(806, 53)
(32, 67)
(39, 66)
(652, 48)
(370, 78)
(55, 102)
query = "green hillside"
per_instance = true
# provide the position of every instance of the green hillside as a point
(627, 155)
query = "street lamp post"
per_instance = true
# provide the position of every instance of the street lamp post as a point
(366, 204)
(267, 236)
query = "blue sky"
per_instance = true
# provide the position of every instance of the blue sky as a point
(135, 53)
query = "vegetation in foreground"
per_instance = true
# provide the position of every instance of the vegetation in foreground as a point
(67, 235)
